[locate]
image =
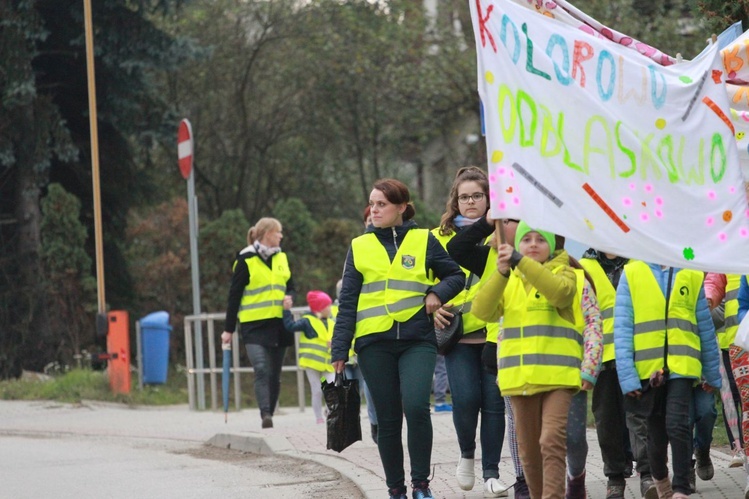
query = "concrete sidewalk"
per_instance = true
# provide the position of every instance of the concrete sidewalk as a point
(296, 434)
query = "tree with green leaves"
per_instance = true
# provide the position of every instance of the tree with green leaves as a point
(44, 137)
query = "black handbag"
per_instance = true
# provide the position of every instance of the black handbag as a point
(448, 337)
(344, 403)
(451, 334)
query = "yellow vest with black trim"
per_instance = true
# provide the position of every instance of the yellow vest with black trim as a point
(471, 323)
(391, 291)
(649, 307)
(731, 312)
(540, 350)
(315, 353)
(263, 296)
(606, 295)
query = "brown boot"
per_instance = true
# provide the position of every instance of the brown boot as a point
(664, 488)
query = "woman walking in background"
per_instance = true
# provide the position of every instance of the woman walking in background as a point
(473, 386)
(387, 296)
(259, 286)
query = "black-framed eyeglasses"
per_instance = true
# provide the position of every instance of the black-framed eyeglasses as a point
(476, 196)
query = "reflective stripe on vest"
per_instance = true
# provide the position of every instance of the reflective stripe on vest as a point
(606, 294)
(539, 347)
(471, 323)
(391, 291)
(315, 353)
(649, 304)
(263, 296)
(731, 312)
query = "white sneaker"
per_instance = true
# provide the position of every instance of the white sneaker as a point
(494, 488)
(746, 490)
(465, 474)
(738, 459)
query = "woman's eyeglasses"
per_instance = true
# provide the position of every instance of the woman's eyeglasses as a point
(476, 196)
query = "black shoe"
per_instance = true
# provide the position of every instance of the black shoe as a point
(398, 493)
(704, 464)
(267, 421)
(628, 470)
(421, 490)
(374, 432)
(521, 489)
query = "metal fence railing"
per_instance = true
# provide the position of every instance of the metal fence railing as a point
(203, 346)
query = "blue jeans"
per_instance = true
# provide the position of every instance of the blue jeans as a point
(668, 423)
(577, 445)
(353, 371)
(702, 416)
(475, 391)
(399, 375)
(267, 363)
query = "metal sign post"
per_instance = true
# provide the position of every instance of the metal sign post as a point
(185, 158)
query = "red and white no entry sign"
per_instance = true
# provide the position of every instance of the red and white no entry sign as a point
(184, 148)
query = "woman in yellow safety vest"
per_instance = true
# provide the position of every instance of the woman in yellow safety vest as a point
(473, 386)
(259, 286)
(541, 351)
(314, 344)
(387, 297)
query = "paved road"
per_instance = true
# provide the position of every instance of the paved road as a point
(85, 450)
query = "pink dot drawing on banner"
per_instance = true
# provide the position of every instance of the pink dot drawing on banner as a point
(710, 221)
(500, 171)
(627, 202)
(659, 213)
(644, 217)
(492, 194)
(502, 206)
(711, 195)
(723, 237)
(492, 178)
(732, 190)
(632, 186)
(648, 188)
(744, 232)
(659, 201)
(516, 200)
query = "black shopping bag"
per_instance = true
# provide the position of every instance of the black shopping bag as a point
(344, 402)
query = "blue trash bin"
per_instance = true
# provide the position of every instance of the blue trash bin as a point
(154, 330)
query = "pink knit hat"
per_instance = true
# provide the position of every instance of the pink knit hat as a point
(318, 300)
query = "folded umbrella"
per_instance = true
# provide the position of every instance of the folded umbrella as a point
(225, 376)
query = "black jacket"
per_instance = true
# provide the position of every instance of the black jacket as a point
(418, 327)
(466, 248)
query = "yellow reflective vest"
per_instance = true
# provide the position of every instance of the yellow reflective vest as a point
(315, 353)
(540, 351)
(471, 323)
(649, 307)
(606, 295)
(731, 312)
(263, 296)
(391, 291)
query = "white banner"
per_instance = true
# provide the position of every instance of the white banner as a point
(597, 142)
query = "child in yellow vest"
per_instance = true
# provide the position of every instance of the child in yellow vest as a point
(314, 344)
(541, 350)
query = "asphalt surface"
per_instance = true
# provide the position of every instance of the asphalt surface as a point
(50, 449)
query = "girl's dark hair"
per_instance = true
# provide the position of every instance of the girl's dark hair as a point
(396, 192)
(367, 212)
(465, 174)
